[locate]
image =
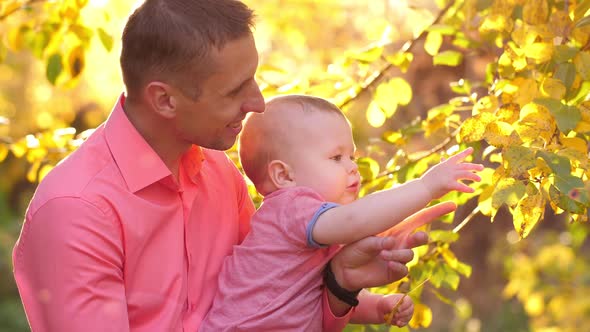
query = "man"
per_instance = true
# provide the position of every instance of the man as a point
(130, 231)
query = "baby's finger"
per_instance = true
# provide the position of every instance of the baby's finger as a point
(461, 155)
(468, 176)
(471, 167)
(461, 187)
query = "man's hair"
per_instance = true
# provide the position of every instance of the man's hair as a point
(170, 40)
(264, 135)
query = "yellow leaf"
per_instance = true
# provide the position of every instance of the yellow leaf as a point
(540, 52)
(575, 143)
(582, 63)
(584, 124)
(497, 22)
(403, 90)
(19, 148)
(44, 171)
(501, 134)
(3, 152)
(535, 304)
(553, 88)
(535, 122)
(16, 38)
(527, 213)
(433, 42)
(422, 316)
(375, 115)
(508, 113)
(485, 104)
(386, 97)
(33, 171)
(473, 129)
(535, 12)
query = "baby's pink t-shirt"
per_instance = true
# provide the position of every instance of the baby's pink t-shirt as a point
(273, 280)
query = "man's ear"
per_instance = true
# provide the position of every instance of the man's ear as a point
(160, 98)
(281, 174)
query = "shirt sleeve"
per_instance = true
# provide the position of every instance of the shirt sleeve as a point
(331, 323)
(298, 208)
(68, 266)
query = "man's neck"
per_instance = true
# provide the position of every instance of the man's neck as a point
(159, 134)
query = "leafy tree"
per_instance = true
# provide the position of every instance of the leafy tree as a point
(524, 110)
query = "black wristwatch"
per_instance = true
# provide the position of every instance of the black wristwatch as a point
(346, 296)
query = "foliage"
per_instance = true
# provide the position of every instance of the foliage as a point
(527, 116)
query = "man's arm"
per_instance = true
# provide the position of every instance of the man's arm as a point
(68, 268)
(379, 211)
(375, 261)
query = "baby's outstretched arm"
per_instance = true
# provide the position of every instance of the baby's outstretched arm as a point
(380, 211)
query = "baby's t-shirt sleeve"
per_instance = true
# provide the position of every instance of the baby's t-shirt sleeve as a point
(300, 208)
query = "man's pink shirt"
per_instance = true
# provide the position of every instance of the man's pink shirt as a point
(111, 242)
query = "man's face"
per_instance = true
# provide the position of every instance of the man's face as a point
(214, 119)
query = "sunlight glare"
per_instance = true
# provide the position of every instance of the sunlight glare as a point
(98, 3)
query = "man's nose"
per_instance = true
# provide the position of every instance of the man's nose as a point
(255, 102)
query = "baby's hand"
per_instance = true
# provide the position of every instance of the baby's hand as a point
(447, 175)
(396, 309)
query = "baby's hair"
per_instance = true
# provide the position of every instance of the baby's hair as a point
(307, 103)
(265, 133)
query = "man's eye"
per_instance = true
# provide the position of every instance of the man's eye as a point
(337, 157)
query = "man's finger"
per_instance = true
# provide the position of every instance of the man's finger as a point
(421, 218)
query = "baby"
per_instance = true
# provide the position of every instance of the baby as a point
(299, 154)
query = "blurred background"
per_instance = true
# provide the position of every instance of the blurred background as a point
(301, 43)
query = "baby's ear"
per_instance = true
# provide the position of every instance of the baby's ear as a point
(281, 174)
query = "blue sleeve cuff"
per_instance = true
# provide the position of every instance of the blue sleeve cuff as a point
(323, 208)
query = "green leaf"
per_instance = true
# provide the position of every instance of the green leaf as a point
(105, 39)
(573, 187)
(518, 160)
(566, 72)
(451, 278)
(567, 117)
(558, 164)
(448, 58)
(54, 67)
(564, 202)
(508, 191)
(564, 53)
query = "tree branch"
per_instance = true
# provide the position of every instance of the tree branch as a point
(409, 46)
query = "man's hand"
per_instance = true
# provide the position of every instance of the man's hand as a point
(377, 261)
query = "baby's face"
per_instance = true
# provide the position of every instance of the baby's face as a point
(322, 156)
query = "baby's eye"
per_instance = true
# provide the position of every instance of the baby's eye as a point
(337, 157)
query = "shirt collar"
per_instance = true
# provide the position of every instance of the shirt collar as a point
(139, 164)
